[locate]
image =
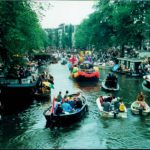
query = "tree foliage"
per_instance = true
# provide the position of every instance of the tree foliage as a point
(20, 29)
(115, 23)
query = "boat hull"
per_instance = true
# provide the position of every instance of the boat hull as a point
(85, 79)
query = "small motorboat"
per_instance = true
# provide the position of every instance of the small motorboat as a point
(44, 92)
(109, 88)
(112, 113)
(66, 118)
(146, 83)
(136, 109)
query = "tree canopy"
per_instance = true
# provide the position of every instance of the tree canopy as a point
(115, 23)
(20, 29)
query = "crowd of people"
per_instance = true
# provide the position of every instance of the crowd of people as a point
(67, 103)
(78, 59)
(112, 103)
(111, 81)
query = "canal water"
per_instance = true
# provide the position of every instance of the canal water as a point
(27, 128)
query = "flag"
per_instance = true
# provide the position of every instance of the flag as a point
(51, 86)
(53, 105)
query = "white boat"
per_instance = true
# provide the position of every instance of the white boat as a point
(109, 89)
(145, 86)
(135, 109)
(112, 113)
(146, 83)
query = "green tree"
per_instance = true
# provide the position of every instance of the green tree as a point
(20, 29)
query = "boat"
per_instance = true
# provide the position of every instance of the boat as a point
(115, 67)
(83, 73)
(18, 83)
(135, 109)
(44, 92)
(18, 86)
(145, 86)
(109, 88)
(130, 66)
(66, 118)
(113, 113)
(146, 83)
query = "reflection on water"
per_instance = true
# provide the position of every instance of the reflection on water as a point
(27, 128)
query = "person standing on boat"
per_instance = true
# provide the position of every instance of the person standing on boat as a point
(78, 104)
(66, 94)
(59, 97)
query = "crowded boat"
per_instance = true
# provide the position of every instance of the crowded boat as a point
(110, 83)
(111, 107)
(66, 109)
(83, 68)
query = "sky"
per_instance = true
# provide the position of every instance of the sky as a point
(68, 12)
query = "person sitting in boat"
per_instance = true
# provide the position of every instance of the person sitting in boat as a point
(59, 109)
(79, 95)
(66, 106)
(141, 101)
(117, 104)
(109, 98)
(78, 104)
(87, 66)
(141, 97)
(121, 106)
(72, 102)
(106, 106)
